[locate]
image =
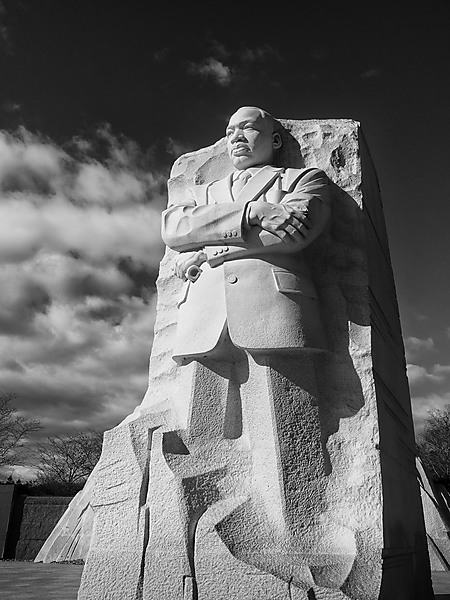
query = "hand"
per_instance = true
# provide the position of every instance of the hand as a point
(283, 220)
(184, 260)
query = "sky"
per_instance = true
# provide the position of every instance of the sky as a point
(98, 98)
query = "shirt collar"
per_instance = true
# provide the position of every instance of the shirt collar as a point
(254, 170)
(246, 172)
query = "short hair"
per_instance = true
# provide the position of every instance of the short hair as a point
(276, 125)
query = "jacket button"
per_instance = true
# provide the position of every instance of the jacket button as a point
(232, 278)
(234, 233)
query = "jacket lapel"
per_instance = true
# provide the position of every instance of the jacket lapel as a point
(221, 190)
(258, 184)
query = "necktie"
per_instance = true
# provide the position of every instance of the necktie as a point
(239, 182)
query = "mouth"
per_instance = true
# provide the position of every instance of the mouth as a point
(240, 149)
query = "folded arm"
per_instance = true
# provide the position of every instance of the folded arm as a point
(190, 226)
(307, 210)
(231, 231)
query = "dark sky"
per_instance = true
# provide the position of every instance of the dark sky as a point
(112, 92)
(71, 65)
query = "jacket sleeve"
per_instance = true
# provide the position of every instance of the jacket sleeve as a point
(310, 193)
(191, 226)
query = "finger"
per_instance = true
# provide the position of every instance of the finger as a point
(303, 217)
(181, 266)
(288, 208)
(306, 221)
(298, 210)
(290, 225)
(285, 237)
(296, 234)
(281, 229)
(294, 222)
(299, 228)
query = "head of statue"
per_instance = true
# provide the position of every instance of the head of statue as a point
(252, 137)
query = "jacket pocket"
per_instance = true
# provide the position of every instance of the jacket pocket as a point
(290, 283)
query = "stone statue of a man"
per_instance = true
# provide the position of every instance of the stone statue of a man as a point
(249, 318)
(247, 231)
(276, 458)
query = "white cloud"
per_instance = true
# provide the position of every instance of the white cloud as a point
(27, 164)
(442, 370)
(97, 184)
(429, 390)
(415, 346)
(79, 249)
(219, 49)
(161, 55)
(52, 202)
(176, 148)
(418, 374)
(212, 68)
(422, 405)
(421, 378)
(29, 226)
(437, 373)
(18, 472)
(11, 107)
(259, 53)
(373, 73)
(80, 371)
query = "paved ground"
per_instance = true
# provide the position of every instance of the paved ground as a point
(441, 585)
(36, 581)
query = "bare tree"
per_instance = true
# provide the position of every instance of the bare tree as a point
(433, 444)
(66, 461)
(14, 429)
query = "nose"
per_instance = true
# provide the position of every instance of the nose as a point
(238, 134)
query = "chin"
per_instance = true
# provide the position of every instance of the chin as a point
(242, 162)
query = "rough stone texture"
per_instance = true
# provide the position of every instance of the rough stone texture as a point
(367, 483)
(436, 509)
(34, 518)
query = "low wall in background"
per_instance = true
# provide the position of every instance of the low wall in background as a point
(32, 520)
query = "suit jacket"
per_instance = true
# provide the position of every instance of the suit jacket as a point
(254, 282)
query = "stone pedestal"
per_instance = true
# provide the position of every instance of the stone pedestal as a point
(338, 463)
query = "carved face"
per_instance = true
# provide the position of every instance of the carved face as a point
(251, 139)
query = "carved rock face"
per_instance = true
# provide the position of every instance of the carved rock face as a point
(283, 492)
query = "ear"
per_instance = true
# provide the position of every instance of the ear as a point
(276, 141)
